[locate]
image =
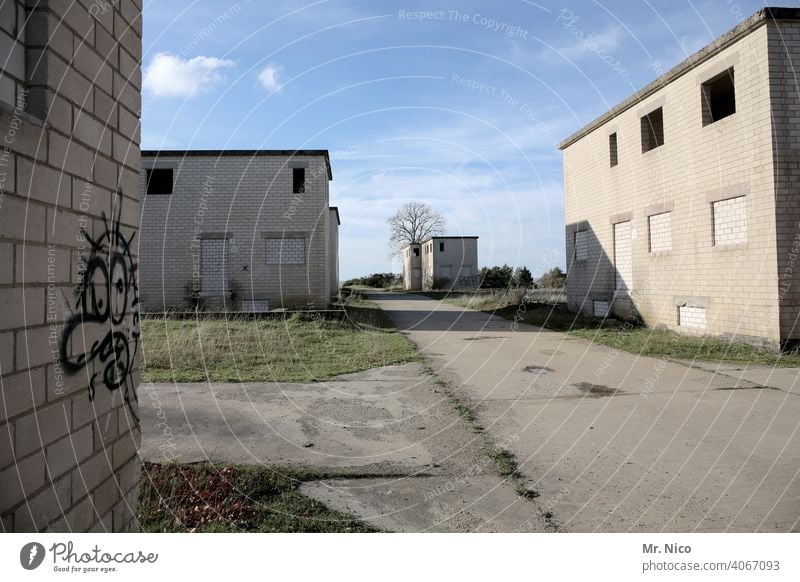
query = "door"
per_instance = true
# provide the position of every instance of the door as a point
(623, 256)
(214, 266)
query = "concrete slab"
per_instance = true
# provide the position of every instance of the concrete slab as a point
(617, 442)
(786, 379)
(391, 419)
(458, 503)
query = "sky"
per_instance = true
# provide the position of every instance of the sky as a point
(459, 104)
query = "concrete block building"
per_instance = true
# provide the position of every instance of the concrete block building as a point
(682, 202)
(237, 230)
(441, 262)
(69, 216)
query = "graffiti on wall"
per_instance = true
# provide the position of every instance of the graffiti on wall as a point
(102, 334)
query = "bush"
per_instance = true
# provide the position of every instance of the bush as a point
(377, 280)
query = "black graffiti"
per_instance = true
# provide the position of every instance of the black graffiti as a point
(106, 306)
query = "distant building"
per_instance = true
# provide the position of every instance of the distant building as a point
(682, 203)
(237, 230)
(441, 262)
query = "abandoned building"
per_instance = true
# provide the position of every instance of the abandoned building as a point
(682, 203)
(69, 177)
(441, 262)
(237, 230)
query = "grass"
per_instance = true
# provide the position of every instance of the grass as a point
(301, 348)
(204, 498)
(635, 339)
(506, 463)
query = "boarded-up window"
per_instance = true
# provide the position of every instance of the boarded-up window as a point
(660, 228)
(692, 317)
(600, 308)
(214, 254)
(730, 221)
(581, 245)
(286, 251)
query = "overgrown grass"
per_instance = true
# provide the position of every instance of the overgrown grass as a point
(635, 339)
(301, 348)
(205, 498)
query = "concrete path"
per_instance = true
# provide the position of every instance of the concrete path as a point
(612, 441)
(391, 420)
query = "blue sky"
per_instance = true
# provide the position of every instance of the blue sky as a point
(457, 104)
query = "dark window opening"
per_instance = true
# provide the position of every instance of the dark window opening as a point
(298, 180)
(416, 252)
(653, 130)
(441, 247)
(719, 97)
(612, 149)
(159, 180)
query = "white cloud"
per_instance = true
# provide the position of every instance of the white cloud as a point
(268, 77)
(172, 76)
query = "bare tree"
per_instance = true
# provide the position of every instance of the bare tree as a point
(414, 222)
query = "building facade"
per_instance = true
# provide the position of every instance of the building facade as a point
(442, 262)
(682, 204)
(237, 230)
(69, 329)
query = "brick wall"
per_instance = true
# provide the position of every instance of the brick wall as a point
(695, 167)
(730, 221)
(249, 201)
(660, 232)
(784, 46)
(456, 265)
(69, 331)
(333, 250)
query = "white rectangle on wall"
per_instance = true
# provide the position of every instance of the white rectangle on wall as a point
(623, 257)
(693, 317)
(660, 228)
(581, 245)
(214, 266)
(255, 306)
(286, 251)
(600, 308)
(730, 221)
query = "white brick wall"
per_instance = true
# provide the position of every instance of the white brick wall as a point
(581, 245)
(696, 166)
(730, 221)
(247, 198)
(660, 232)
(692, 317)
(286, 251)
(599, 308)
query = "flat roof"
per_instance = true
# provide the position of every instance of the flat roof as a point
(238, 153)
(744, 28)
(433, 237)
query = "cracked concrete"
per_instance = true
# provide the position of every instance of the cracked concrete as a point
(391, 420)
(668, 447)
(610, 441)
